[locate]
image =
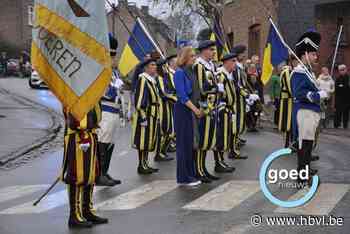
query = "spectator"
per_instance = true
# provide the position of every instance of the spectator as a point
(342, 96)
(260, 87)
(3, 63)
(275, 92)
(326, 83)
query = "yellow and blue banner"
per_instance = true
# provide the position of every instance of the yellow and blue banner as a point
(218, 36)
(274, 54)
(139, 44)
(70, 51)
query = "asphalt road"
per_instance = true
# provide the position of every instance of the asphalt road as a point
(155, 204)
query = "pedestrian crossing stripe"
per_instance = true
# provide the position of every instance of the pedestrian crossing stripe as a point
(139, 196)
(223, 198)
(14, 192)
(327, 196)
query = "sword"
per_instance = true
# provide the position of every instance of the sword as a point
(46, 192)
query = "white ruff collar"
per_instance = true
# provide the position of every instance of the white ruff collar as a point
(148, 77)
(208, 65)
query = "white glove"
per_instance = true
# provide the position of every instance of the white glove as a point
(254, 97)
(84, 147)
(221, 88)
(144, 123)
(249, 101)
(323, 94)
(247, 108)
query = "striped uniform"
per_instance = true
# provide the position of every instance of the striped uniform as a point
(81, 167)
(207, 124)
(242, 90)
(286, 102)
(226, 127)
(168, 98)
(147, 105)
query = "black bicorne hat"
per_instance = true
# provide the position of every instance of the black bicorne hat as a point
(228, 56)
(239, 49)
(205, 45)
(308, 42)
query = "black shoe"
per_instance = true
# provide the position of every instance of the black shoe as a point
(172, 148)
(143, 171)
(74, 223)
(220, 169)
(116, 182)
(240, 157)
(313, 172)
(242, 140)
(163, 158)
(204, 179)
(212, 177)
(315, 158)
(94, 219)
(155, 170)
(103, 180)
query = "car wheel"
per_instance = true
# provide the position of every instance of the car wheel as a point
(31, 84)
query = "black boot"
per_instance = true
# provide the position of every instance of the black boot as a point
(220, 166)
(199, 170)
(222, 162)
(147, 164)
(110, 153)
(205, 170)
(104, 160)
(76, 219)
(142, 168)
(88, 209)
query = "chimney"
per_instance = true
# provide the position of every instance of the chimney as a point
(145, 10)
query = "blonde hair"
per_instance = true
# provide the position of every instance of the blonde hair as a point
(184, 55)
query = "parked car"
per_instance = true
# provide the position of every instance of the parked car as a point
(35, 82)
(13, 68)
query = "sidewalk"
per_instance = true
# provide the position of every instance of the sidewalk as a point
(24, 125)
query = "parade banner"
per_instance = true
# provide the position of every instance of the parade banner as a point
(70, 51)
(274, 54)
(139, 44)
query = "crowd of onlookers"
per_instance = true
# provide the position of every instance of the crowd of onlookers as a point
(337, 106)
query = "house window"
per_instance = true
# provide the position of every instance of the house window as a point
(30, 15)
(254, 40)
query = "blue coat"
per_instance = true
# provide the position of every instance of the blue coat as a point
(305, 95)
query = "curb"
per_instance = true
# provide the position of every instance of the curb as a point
(52, 131)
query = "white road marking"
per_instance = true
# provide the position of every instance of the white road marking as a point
(139, 196)
(48, 203)
(326, 198)
(225, 197)
(14, 192)
(124, 152)
(239, 229)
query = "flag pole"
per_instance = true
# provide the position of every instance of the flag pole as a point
(336, 50)
(310, 75)
(126, 28)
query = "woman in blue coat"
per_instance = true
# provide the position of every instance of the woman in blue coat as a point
(185, 112)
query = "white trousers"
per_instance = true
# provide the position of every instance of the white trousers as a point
(308, 121)
(108, 126)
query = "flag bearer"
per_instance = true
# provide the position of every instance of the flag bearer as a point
(307, 98)
(81, 167)
(226, 111)
(108, 125)
(147, 115)
(204, 71)
(168, 97)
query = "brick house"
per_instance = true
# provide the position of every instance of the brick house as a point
(128, 12)
(246, 22)
(15, 26)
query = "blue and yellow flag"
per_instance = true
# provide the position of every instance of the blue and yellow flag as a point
(218, 36)
(139, 44)
(274, 54)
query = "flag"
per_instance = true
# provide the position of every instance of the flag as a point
(218, 36)
(139, 44)
(70, 51)
(274, 54)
